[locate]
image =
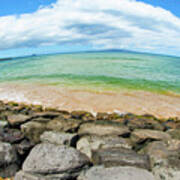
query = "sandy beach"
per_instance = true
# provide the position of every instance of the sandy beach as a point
(65, 98)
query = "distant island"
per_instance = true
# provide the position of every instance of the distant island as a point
(5, 59)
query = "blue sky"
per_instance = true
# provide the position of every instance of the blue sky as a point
(49, 26)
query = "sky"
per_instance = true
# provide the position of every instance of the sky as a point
(49, 26)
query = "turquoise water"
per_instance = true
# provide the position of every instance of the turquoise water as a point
(97, 70)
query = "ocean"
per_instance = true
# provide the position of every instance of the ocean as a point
(97, 71)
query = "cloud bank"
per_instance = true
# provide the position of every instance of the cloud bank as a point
(126, 24)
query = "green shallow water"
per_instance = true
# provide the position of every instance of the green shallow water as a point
(110, 71)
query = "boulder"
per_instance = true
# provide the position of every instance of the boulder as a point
(174, 133)
(164, 158)
(174, 145)
(11, 135)
(116, 173)
(102, 129)
(32, 130)
(157, 152)
(141, 135)
(87, 144)
(120, 157)
(59, 138)
(21, 175)
(17, 119)
(62, 125)
(145, 124)
(7, 154)
(52, 159)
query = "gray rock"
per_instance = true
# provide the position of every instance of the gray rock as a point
(116, 173)
(11, 135)
(17, 119)
(103, 129)
(141, 135)
(59, 138)
(164, 158)
(21, 175)
(166, 173)
(7, 154)
(174, 145)
(120, 157)
(87, 144)
(49, 158)
(62, 125)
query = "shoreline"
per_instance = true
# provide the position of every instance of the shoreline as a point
(65, 98)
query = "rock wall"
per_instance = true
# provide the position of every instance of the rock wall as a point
(47, 144)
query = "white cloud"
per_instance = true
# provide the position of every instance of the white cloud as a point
(124, 24)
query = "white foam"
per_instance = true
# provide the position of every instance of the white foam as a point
(119, 112)
(12, 96)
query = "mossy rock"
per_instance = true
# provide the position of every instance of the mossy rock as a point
(11, 103)
(33, 130)
(84, 115)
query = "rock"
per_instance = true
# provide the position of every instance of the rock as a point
(24, 147)
(3, 123)
(27, 176)
(143, 122)
(101, 129)
(174, 133)
(59, 138)
(47, 115)
(157, 151)
(174, 145)
(21, 175)
(120, 157)
(22, 109)
(116, 173)
(107, 116)
(84, 115)
(52, 159)
(17, 119)
(141, 135)
(9, 171)
(33, 130)
(11, 135)
(165, 162)
(62, 125)
(41, 120)
(171, 125)
(87, 144)
(165, 173)
(102, 116)
(7, 154)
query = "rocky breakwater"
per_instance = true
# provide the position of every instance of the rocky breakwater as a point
(40, 144)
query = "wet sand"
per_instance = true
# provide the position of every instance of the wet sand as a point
(65, 98)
